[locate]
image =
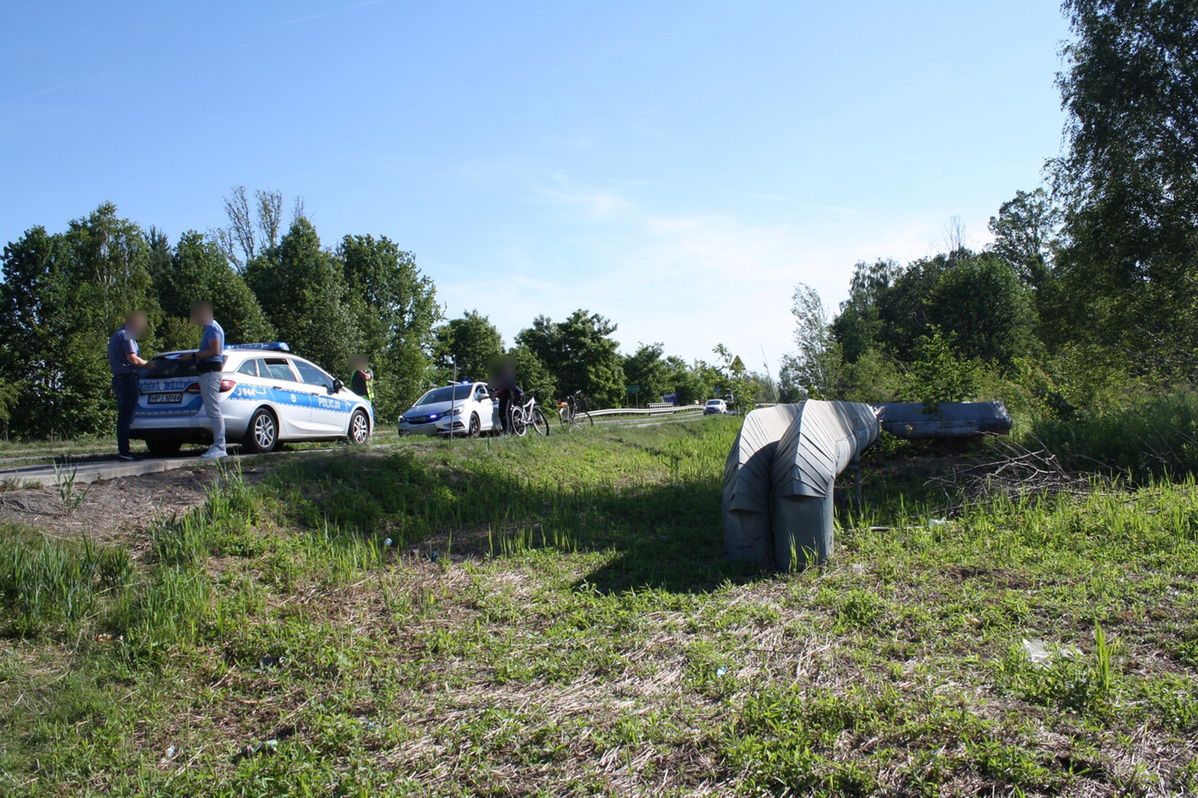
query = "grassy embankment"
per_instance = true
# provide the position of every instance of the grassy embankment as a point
(555, 617)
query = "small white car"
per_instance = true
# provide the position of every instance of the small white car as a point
(268, 396)
(715, 407)
(464, 408)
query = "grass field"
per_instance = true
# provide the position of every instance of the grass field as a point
(555, 617)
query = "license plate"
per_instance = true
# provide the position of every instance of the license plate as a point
(166, 398)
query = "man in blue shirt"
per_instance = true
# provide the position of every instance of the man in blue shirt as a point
(210, 360)
(124, 360)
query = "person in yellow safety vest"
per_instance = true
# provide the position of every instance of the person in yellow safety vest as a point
(362, 383)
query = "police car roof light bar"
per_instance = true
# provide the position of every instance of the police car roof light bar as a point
(269, 346)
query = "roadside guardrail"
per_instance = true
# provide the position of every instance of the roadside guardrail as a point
(647, 411)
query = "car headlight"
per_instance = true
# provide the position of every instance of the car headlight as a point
(457, 411)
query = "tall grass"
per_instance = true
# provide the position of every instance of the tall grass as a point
(1155, 436)
(50, 586)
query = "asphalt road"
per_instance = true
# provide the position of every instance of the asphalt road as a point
(94, 468)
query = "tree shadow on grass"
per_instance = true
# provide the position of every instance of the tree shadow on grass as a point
(664, 536)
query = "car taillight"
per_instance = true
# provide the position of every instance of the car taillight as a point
(193, 388)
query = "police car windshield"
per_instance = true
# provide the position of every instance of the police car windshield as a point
(456, 393)
(166, 367)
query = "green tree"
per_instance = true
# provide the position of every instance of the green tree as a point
(713, 378)
(1024, 232)
(873, 377)
(983, 307)
(303, 291)
(62, 296)
(790, 381)
(648, 371)
(938, 374)
(904, 312)
(816, 364)
(9, 394)
(395, 309)
(471, 342)
(689, 383)
(532, 375)
(743, 387)
(1129, 182)
(31, 294)
(198, 270)
(580, 354)
(858, 326)
(976, 299)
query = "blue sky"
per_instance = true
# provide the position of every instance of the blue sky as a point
(676, 166)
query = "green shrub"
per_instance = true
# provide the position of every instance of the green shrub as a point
(1155, 436)
(939, 375)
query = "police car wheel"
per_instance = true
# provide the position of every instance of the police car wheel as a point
(475, 425)
(359, 427)
(262, 435)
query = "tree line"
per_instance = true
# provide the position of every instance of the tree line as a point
(554, 359)
(64, 293)
(1087, 298)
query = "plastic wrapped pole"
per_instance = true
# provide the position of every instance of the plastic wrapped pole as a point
(950, 419)
(822, 440)
(747, 478)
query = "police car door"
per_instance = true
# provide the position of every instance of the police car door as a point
(488, 416)
(329, 414)
(289, 397)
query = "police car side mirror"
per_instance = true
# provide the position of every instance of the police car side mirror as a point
(336, 386)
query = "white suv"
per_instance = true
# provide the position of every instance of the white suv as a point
(715, 407)
(464, 408)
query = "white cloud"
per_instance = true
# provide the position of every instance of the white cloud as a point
(689, 279)
(598, 203)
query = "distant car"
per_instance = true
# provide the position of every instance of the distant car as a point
(465, 408)
(715, 407)
(268, 396)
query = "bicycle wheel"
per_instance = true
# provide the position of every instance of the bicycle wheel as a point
(539, 422)
(583, 417)
(519, 423)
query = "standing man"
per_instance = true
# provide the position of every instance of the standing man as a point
(504, 385)
(124, 360)
(210, 359)
(362, 383)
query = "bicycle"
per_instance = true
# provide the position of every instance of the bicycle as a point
(528, 415)
(573, 410)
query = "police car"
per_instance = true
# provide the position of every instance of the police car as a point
(268, 396)
(464, 408)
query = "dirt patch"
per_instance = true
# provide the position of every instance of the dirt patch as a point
(111, 510)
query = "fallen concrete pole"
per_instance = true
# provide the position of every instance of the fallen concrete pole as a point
(949, 420)
(779, 476)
